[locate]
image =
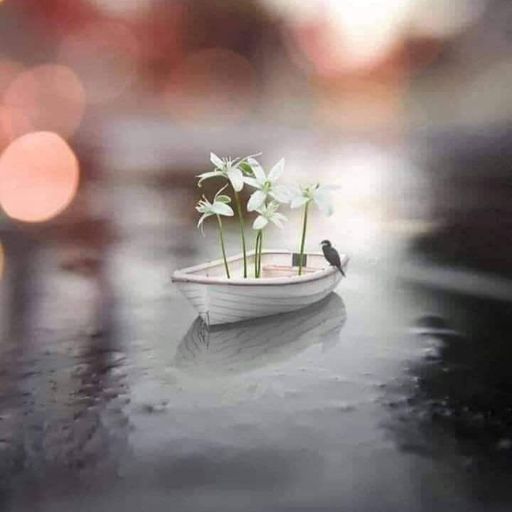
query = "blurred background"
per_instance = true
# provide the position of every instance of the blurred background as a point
(404, 104)
(108, 111)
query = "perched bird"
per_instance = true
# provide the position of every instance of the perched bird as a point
(331, 255)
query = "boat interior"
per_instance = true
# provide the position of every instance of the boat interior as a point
(273, 264)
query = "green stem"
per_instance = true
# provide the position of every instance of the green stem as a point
(242, 228)
(221, 236)
(303, 241)
(256, 253)
(259, 257)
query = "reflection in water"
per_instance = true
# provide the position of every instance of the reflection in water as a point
(62, 377)
(21, 254)
(247, 345)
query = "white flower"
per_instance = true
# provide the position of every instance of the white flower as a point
(226, 168)
(268, 213)
(320, 195)
(266, 185)
(218, 207)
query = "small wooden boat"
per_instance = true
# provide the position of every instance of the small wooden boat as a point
(280, 289)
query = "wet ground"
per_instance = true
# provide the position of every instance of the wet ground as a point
(392, 394)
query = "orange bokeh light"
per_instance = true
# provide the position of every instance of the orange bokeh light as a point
(50, 97)
(39, 177)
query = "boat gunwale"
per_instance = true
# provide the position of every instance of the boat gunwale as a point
(184, 275)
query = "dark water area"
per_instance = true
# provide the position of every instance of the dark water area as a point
(392, 394)
(458, 408)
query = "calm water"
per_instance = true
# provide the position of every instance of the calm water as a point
(393, 394)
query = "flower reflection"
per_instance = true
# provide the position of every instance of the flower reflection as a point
(243, 346)
(38, 177)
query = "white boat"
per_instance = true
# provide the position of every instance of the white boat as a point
(244, 346)
(280, 289)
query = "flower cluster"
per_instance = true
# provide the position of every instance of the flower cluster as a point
(265, 200)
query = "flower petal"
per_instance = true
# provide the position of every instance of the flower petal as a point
(278, 219)
(251, 182)
(276, 171)
(215, 160)
(259, 223)
(258, 171)
(281, 193)
(222, 209)
(207, 175)
(328, 188)
(298, 201)
(237, 179)
(323, 201)
(256, 200)
(294, 191)
(201, 220)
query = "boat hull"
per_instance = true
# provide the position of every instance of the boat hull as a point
(219, 304)
(220, 300)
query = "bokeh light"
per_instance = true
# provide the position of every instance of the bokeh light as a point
(49, 97)
(13, 122)
(212, 83)
(105, 56)
(350, 35)
(345, 35)
(38, 177)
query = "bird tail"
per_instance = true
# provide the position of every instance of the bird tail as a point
(341, 270)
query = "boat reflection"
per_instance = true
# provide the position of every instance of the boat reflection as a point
(256, 343)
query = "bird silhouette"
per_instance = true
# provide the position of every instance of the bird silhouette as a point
(331, 255)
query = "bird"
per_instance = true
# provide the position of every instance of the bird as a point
(331, 255)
